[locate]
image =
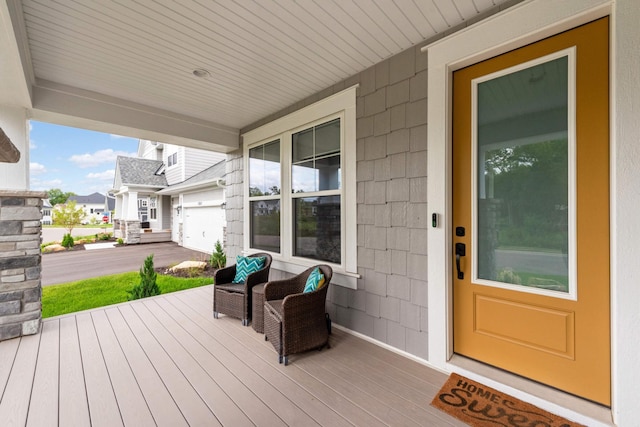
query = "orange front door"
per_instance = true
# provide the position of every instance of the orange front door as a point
(531, 211)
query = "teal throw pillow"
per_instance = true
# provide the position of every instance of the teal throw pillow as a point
(245, 266)
(314, 281)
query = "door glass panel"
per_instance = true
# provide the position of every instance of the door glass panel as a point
(522, 184)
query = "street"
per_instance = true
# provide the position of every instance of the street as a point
(62, 267)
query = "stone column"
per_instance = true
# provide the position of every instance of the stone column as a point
(20, 263)
(132, 236)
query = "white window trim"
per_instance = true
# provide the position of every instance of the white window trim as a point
(343, 105)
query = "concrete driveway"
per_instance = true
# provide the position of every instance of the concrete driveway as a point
(62, 267)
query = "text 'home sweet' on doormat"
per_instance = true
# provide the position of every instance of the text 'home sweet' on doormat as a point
(480, 406)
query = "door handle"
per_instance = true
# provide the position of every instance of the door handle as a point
(460, 252)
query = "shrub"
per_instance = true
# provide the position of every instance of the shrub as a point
(218, 257)
(103, 236)
(507, 275)
(147, 286)
(67, 241)
(120, 241)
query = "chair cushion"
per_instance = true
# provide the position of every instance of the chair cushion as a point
(314, 281)
(231, 287)
(245, 266)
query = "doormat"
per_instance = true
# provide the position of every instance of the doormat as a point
(480, 406)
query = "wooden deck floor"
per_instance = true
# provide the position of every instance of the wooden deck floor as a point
(166, 361)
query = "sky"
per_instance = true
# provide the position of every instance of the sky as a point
(74, 160)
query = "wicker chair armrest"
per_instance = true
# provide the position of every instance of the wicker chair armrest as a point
(305, 304)
(257, 277)
(224, 275)
(279, 289)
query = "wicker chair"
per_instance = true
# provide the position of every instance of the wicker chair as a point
(234, 299)
(295, 321)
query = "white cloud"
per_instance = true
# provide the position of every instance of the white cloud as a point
(106, 175)
(37, 168)
(88, 160)
(39, 185)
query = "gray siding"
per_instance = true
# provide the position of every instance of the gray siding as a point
(198, 160)
(174, 173)
(390, 302)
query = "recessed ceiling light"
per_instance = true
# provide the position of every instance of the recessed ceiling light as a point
(202, 73)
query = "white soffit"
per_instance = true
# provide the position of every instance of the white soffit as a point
(261, 56)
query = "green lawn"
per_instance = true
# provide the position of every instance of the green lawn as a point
(106, 290)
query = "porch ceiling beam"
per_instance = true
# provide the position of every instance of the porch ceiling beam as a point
(70, 106)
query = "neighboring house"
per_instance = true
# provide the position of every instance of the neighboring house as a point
(47, 218)
(96, 206)
(168, 193)
(198, 209)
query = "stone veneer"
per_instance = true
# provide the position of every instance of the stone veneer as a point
(131, 231)
(20, 266)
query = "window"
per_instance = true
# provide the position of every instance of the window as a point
(172, 159)
(264, 192)
(315, 170)
(143, 209)
(300, 182)
(153, 211)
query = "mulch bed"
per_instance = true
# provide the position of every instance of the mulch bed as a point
(207, 272)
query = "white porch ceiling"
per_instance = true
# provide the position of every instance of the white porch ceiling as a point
(123, 58)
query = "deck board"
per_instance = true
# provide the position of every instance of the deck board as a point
(14, 405)
(164, 409)
(43, 410)
(132, 404)
(241, 395)
(73, 407)
(224, 409)
(166, 361)
(194, 409)
(8, 351)
(240, 366)
(103, 405)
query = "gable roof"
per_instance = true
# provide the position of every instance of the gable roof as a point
(207, 177)
(93, 198)
(136, 171)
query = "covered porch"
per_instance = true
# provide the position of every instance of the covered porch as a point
(166, 361)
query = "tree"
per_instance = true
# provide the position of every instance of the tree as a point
(147, 286)
(218, 257)
(68, 215)
(57, 196)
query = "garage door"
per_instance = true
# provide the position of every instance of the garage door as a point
(202, 227)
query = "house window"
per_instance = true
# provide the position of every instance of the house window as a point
(264, 194)
(143, 209)
(315, 170)
(172, 159)
(300, 181)
(153, 211)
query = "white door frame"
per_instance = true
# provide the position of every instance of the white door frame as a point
(517, 26)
